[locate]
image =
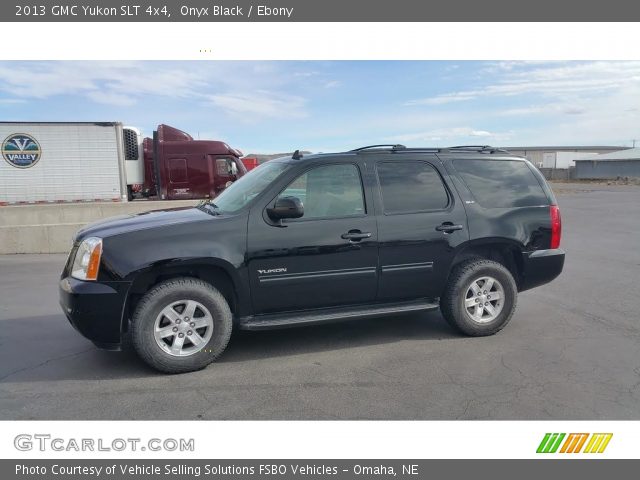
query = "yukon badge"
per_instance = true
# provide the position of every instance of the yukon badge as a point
(272, 270)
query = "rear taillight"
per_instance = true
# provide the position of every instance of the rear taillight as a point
(556, 226)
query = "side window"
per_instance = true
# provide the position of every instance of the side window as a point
(328, 191)
(226, 167)
(501, 183)
(410, 186)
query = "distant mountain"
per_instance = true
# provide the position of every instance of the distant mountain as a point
(265, 157)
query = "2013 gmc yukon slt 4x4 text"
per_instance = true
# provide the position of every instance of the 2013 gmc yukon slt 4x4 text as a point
(376, 231)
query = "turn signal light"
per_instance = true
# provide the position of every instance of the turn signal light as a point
(94, 262)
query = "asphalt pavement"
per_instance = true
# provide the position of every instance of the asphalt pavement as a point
(572, 350)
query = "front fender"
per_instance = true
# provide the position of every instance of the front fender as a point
(217, 244)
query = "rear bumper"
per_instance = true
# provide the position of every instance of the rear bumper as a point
(95, 309)
(540, 267)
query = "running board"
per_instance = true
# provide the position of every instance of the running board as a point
(294, 319)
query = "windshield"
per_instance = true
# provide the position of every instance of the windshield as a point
(242, 191)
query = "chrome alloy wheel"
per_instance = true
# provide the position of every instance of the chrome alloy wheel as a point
(183, 328)
(484, 299)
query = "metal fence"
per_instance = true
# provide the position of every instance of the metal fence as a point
(564, 174)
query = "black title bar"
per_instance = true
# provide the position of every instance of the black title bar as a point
(321, 11)
(313, 469)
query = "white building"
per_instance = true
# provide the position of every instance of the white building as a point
(560, 157)
(624, 163)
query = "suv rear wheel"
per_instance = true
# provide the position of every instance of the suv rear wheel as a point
(181, 325)
(480, 297)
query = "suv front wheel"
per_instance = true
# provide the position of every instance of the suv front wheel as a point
(480, 297)
(181, 325)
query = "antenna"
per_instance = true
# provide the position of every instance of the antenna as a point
(296, 155)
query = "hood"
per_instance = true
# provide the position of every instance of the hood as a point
(140, 221)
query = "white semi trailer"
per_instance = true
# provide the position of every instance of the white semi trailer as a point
(69, 161)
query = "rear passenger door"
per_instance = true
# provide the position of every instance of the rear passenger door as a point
(420, 223)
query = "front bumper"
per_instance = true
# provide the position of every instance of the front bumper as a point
(540, 267)
(95, 309)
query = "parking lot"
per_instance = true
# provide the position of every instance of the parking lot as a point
(572, 350)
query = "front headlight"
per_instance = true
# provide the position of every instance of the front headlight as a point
(87, 261)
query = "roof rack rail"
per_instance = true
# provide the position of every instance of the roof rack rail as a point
(458, 148)
(477, 148)
(396, 146)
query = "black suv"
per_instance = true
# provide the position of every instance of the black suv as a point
(300, 240)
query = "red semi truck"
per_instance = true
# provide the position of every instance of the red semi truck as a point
(178, 167)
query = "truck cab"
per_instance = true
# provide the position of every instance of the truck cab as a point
(179, 167)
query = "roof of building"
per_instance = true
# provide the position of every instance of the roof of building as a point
(629, 154)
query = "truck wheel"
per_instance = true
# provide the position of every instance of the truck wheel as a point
(480, 297)
(129, 193)
(181, 325)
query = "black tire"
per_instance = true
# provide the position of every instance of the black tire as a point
(130, 196)
(164, 294)
(452, 303)
(126, 342)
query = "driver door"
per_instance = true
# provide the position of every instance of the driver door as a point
(326, 258)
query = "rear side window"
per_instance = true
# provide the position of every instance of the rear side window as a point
(410, 187)
(501, 183)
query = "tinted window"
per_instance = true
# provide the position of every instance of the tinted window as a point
(501, 183)
(411, 186)
(329, 191)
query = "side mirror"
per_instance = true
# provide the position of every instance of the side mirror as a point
(234, 169)
(286, 207)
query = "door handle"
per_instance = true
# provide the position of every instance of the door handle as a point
(448, 227)
(355, 235)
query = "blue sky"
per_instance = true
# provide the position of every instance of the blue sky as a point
(267, 107)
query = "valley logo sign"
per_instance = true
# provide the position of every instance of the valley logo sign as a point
(21, 150)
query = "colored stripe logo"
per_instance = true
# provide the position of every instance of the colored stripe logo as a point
(574, 443)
